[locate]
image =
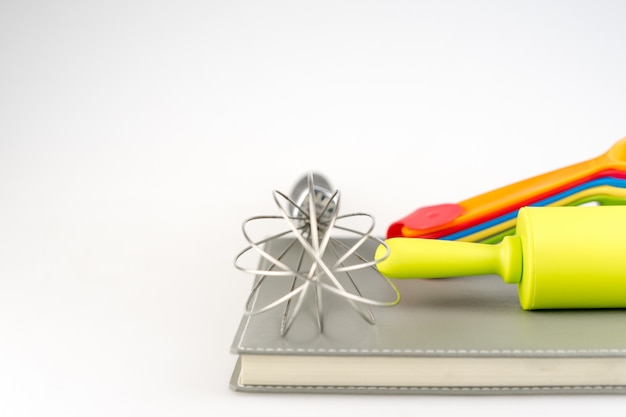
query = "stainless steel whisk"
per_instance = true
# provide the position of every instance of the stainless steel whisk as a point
(312, 215)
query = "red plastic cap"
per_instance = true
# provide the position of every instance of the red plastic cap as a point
(426, 219)
(433, 216)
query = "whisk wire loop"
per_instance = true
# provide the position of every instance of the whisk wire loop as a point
(310, 225)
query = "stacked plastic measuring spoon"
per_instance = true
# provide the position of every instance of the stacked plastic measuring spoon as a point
(491, 216)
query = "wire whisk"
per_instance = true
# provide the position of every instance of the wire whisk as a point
(324, 263)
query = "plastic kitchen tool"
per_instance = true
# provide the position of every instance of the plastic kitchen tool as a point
(567, 197)
(603, 195)
(614, 196)
(440, 220)
(561, 257)
(605, 200)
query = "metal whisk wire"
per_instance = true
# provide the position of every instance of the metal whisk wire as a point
(311, 218)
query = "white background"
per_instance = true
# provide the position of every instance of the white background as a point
(136, 136)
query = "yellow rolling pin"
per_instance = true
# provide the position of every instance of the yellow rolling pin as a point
(561, 257)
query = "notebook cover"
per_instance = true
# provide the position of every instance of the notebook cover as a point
(456, 317)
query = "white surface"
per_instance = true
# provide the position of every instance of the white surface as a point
(136, 136)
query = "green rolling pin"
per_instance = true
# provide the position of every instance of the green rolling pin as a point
(561, 257)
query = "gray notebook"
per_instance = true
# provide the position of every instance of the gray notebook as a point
(447, 336)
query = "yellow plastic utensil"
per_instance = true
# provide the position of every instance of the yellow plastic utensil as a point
(561, 257)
